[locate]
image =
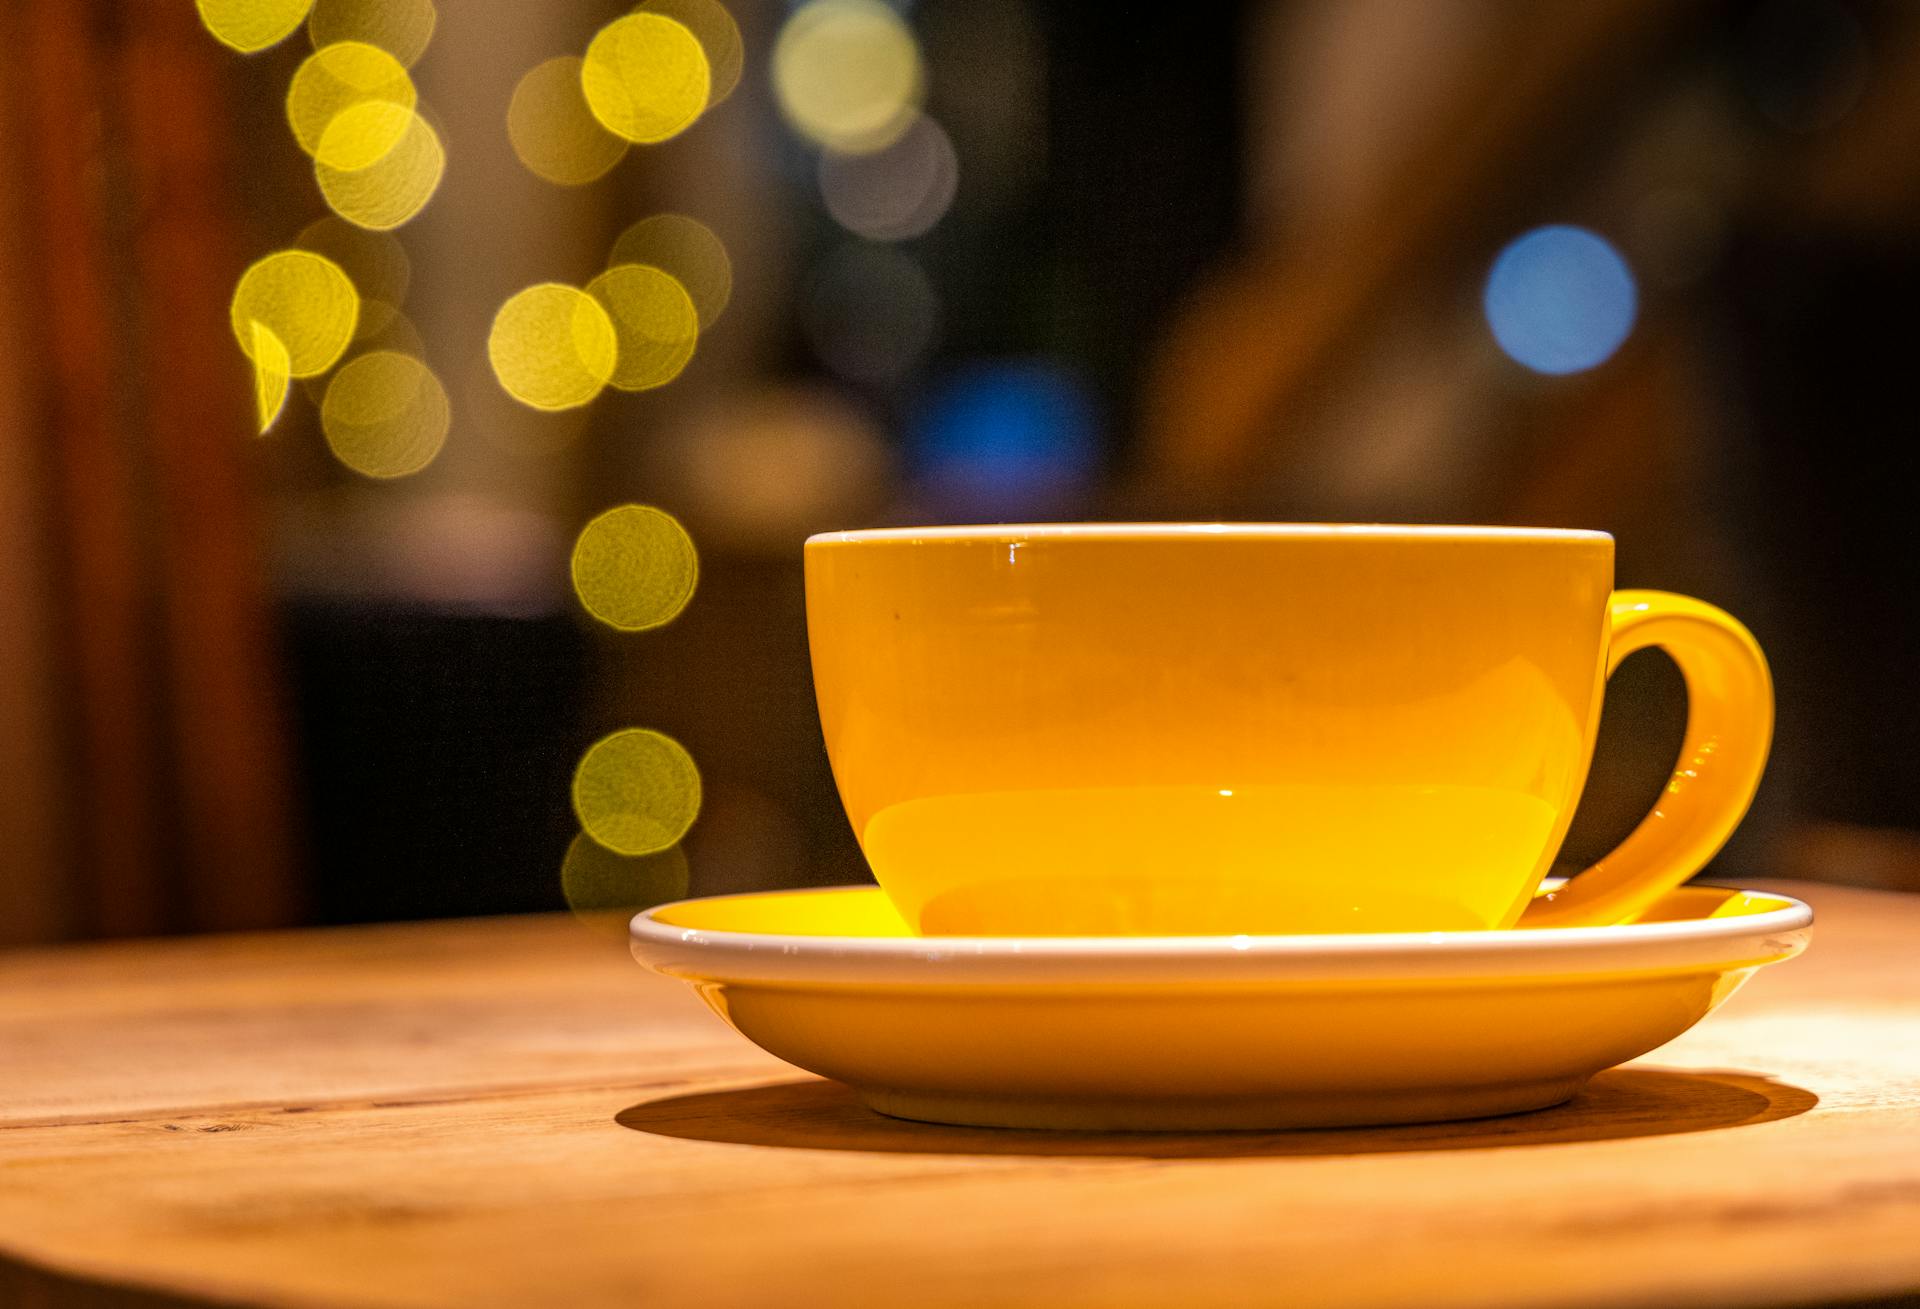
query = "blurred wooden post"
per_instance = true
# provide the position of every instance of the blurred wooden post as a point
(229, 740)
(144, 662)
(34, 900)
(102, 599)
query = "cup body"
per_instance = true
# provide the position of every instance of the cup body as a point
(1207, 728)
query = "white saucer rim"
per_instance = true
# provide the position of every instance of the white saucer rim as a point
(1696, 943)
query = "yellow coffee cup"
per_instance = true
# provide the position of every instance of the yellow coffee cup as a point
(1201, 728)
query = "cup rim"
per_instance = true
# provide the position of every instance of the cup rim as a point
(1095, 531)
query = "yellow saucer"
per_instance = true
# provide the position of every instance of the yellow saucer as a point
(1192, 1033)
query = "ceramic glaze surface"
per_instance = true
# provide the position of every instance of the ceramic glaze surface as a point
(1111, 729)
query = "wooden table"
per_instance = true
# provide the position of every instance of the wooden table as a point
(509, 1112)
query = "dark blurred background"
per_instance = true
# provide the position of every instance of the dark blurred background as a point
(1106, 261)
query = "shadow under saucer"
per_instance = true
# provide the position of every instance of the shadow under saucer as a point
(816, 1114)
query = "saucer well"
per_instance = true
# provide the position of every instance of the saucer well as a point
(1218, 1032)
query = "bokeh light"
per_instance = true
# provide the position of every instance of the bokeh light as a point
(382, 327)
(634, 567)
(645, 77)
(688, 250)
(385, 414)
(336, 78)
(554, 132)
(636, 791)
(848, 74)
(400, 27)
(271, 375)
(305, 301)
(1006, 439)
(375, 261)
(654, 324)
(393, 187)
(870, 313)
(1560, 299)
(895, 193)
(552, 346)
(250, 25)
(513, 436)
(764, 470)
(719, 37)
(471, 549)
(605, 889)
(362, 135)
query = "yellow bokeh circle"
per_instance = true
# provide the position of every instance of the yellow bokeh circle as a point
(654, 322)
(553, 131)
(382, 327)
(250, 25)
(337, 78)
(394, 186)
(847, 74)
(271, 378)
(305, 301)
(605, 889)
(552, 346)
(376, 261)
(385, 414)
(400, 27)
(688, 250)
(363, 135)
(636, 791)
(719, 37)
(645, 77)
(634, 567)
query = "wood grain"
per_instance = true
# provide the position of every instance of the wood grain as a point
(508, 1112)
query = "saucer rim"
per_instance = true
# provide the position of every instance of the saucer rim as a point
(1699, 943)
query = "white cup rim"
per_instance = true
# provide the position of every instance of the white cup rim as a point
(1013, 532)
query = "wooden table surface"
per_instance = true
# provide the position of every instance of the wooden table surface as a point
(509, 1112)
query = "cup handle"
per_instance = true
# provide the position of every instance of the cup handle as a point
(1729, 728)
